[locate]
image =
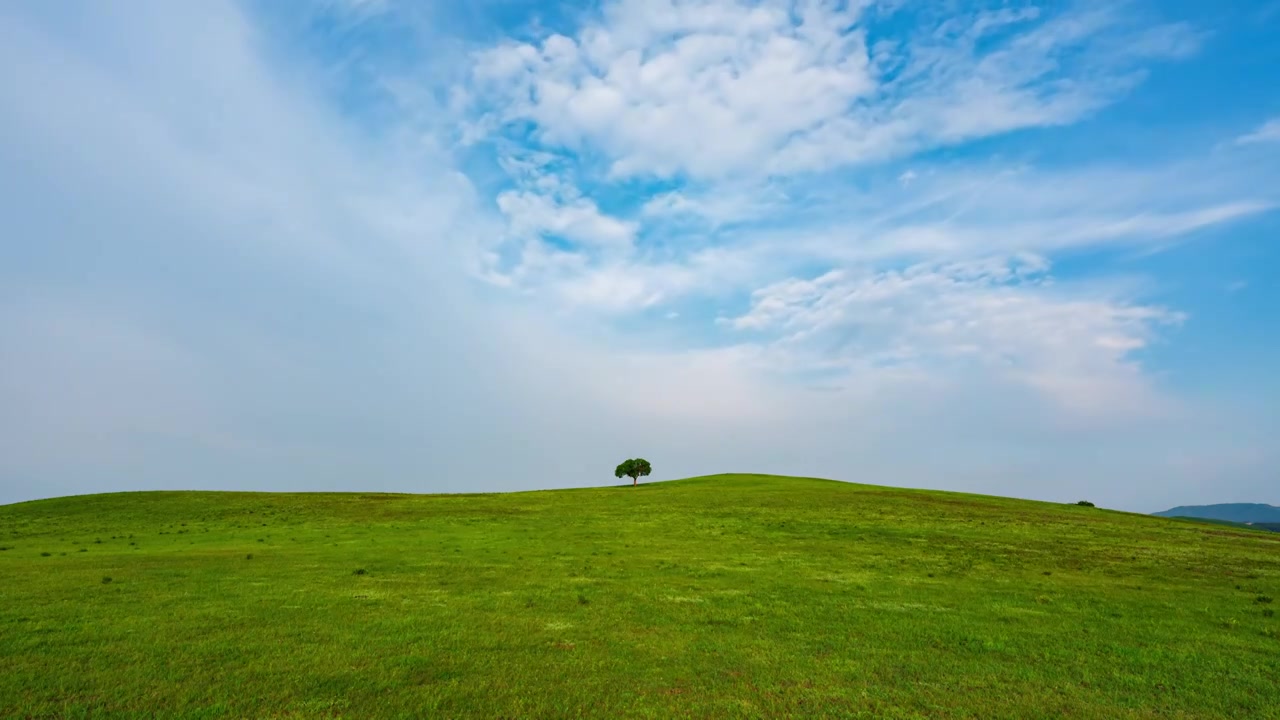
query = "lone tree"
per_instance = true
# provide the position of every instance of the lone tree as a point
(634, 469)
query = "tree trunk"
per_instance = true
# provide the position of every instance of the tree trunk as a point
(634, 479)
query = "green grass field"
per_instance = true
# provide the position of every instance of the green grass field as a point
(722, 597)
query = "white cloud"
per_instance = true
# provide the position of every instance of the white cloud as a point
(946, 218)
(1002, 315)
(947, 215)
(578, 220)
(613, 288)
(675, 94)
(719, 205)
(1268, 132)
(675, 89)
(552, 231)
(959, 212)
(961, 238)
(586, 288)
(670, 203)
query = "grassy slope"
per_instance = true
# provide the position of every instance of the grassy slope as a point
(1269, 527)
(733, 596)
(1231, 512)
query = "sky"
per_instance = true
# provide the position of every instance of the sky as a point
(1024, 249)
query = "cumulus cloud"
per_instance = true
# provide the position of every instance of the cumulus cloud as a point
(675, 89)
(577, 220)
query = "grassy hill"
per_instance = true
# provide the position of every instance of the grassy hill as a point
(721, 597)
(1270, 527)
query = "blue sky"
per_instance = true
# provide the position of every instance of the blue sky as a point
(1006, 247)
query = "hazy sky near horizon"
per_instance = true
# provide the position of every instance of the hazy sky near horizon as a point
(1002, 247)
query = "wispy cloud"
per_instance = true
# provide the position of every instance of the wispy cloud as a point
(1004, 316)
(1268, 132)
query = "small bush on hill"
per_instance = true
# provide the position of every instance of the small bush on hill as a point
(1085, 503)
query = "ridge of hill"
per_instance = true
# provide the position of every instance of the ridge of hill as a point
(1233, 512)
(728, 596)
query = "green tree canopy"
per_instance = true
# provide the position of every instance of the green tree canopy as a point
(635, 469)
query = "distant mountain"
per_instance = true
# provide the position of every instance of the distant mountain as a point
(1233, 512)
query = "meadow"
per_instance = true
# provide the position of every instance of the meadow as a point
(734, 596)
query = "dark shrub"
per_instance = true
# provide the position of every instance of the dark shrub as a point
(1085, 503)
(360, 571)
